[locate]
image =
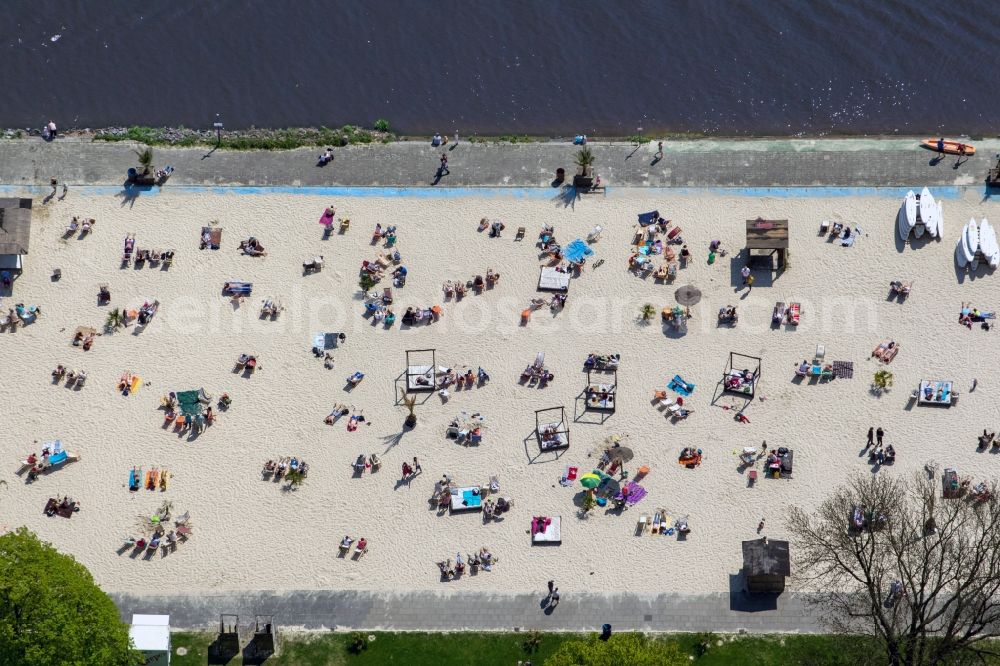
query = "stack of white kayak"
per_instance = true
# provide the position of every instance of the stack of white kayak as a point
(920, 213)
(977, 243)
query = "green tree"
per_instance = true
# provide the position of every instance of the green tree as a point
(917, 572)
(631, 649)
(51, 612)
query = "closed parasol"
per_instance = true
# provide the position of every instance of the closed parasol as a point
(687, 295)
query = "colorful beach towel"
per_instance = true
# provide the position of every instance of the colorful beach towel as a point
(635, 493)
(678, 385)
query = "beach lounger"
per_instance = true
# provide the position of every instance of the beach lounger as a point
(642, 526)
(794, 312)
(314, 266)
(674, 234)
(356, 378)
(595, 234)
(779, 313)
(520, 233)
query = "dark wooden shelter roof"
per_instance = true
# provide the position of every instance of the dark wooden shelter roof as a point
(767, 234)
(766, 558)
(15, 225)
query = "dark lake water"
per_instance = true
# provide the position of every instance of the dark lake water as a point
(750, 67)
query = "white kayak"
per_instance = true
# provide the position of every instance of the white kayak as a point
(907, 217)
(929, 212)
(988, 243)
(940, 221)
(970, 240)
(960, 255)
(910, 208)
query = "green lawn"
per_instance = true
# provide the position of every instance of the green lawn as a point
(418, 649)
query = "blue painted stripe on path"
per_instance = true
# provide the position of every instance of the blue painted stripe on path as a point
(940, 192)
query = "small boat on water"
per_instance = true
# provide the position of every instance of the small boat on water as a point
(949, 147)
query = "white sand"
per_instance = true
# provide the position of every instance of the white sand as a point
(250, 534)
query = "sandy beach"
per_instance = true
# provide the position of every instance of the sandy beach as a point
(249, 534)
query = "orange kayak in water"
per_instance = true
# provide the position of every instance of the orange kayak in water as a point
(949, 147)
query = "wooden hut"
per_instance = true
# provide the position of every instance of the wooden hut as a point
(768, 238)
(15, 232)
(766, 565)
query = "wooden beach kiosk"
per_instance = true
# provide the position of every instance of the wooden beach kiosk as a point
(766, 564)
(15, 233)
(768, 238)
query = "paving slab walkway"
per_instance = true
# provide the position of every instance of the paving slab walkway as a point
(707, 163)
(475, 611)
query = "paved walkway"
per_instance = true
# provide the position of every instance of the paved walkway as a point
(457, 610)
(707, 163)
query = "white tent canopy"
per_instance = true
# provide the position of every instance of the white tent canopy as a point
(150, 635)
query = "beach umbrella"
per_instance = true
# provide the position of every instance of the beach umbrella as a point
(621, 453)
(687, 295)
(590, 480)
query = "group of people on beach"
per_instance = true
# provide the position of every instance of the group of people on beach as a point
(452, 570)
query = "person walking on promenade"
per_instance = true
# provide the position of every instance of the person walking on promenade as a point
(871, 436)
(553, 599)
(749, 284)
(745, 272)
(659, 151)
(760, 526)
(444, 165)
(552, 587)
(878, 435)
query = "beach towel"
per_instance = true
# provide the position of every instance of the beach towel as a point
(843, 369)
(635, 494)
(188, 402)
(645, 219)
(539, 526)
(680, 386)
(214, 236)
(577, 251)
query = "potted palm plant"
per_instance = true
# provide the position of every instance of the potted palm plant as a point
(411, 419)
(584, 178)
(647, 312)
(882, 381)
(294, 478)
(144, 174)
